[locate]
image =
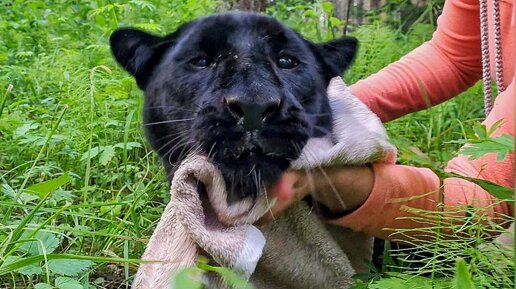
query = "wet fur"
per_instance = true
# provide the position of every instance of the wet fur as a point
(184, 105)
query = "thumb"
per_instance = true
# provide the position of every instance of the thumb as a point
(284, 189)
(285, 193)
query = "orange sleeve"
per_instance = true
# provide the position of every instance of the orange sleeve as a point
(397, 186)
(439, 69)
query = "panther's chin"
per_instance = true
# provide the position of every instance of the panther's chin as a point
(249, 172)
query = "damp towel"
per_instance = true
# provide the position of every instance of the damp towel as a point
(297, 250)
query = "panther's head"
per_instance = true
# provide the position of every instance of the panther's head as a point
(241, 88)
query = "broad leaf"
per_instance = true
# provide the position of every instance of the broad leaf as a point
(67, 283)
(188, 278)
(22, 130)
(129, 145)
(93, 152)
(501, 145)
(49, 240)
(43, 286)
(108, 152)
(30, 269)
(45, 187)
(69, 267)
(497, 191)
(9, 268)
(403, 281)
(23, 197)
(462, 276)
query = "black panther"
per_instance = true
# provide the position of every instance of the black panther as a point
(241, 88)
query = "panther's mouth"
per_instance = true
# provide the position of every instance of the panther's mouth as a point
(248, 152)
(251, 159)
(249, 169)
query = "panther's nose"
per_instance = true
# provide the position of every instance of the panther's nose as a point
(251, 113)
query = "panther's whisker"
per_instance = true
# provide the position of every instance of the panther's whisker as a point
(170, 141)
(255, 178)
(190, 150)
(319, 114)
(252, 170)
(195, 150)
(307, 172)
(169, 107)
(182, 143)
(182, 154)
(322, 128)
(177, 135)
(260, 182)
(269, 207)
(168, 121)
(169, 135)
(330, 182)
(211, 149)
(260, 179)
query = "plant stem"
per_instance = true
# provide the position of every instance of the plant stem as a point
(4, 100)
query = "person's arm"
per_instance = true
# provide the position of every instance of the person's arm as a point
(396, 187)
(439, 69)
(372, 202)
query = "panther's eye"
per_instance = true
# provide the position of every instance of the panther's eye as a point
(200, 62)
(287, 62)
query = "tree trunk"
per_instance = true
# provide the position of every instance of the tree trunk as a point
(252, 5)
(340, 8)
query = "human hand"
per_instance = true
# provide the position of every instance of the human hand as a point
(340, 189)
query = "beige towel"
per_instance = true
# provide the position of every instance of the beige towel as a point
(297, 250)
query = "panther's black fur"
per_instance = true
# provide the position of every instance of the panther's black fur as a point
(239, 87)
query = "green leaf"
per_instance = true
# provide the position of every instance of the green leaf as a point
(155, 27)
(334, 21)
(493, 127)
(67, 283)
(8, 190)
(497, 191)
(129, 145)
(62, 195)
(49, 240)
(9, 268)
(20, 228)
(310, 13)
(69, 267)
(43, 286)
(480, 131)
(188, 278)
(144, 5)
(327, 6)
(89, 154)
(108, 152)
(502, 145)
(403, 281)
(234, 280)
(462, 276)
(30, 269)
(22, 130)
(45, 187)
(23, 197)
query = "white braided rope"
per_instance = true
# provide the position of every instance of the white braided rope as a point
(486, 70)
(498, 46)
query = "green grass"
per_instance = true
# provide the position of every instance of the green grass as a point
(81, 190)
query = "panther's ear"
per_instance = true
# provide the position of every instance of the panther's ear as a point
(138, 52)
(336, 55)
